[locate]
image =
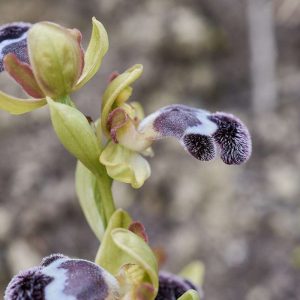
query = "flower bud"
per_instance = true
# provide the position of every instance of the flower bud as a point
(56, 58)
(63, 278)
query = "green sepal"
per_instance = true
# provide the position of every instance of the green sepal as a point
(75, 133)
(56, 58)
(17, 106)
(94, 54)
(88, 193)
(114, 89)
(109, 255)
(190, 295)
(194, 272)
(136, 251)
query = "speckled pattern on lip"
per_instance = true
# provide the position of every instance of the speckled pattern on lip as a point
(13, 39)
(201, 133)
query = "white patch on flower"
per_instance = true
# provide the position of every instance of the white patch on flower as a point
(8, 42)
(55, 289)
(206, 127)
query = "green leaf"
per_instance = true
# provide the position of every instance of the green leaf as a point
(94, 54)
(114, 89)
(109, 255)
(190, 295)
(87, 189)
(76, 134)
(17, 106)
(136, 251)
(194, 272)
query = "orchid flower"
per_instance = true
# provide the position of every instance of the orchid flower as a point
(125, 269)
(129, 135)
(47, 60)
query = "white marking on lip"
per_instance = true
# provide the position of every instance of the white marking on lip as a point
(8, 42)
(55, 289)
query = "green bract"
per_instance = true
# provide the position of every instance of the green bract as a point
(75, 133)
(57, 65)
(131, 255)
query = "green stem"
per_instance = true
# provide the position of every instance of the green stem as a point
(105, 184)
(104, 181)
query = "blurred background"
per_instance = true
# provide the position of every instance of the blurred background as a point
(243, 222)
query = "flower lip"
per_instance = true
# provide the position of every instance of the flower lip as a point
(172, 286)
(51, 258)
(232, 137)
(29, 284)
(13, 39)
(60, 277)
(200, 146)
(200, 132)
(13, 31)
(175, 119)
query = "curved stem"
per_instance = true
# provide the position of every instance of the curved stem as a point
(105, 183)
(103, 180)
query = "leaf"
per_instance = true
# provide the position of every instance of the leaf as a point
(90, 200)
(23, 74)
(190, 295)
(75, 133)
(17, 106)
(136, 251)
(114, 89)
(94, 54)
(109, 255)
(194, 272)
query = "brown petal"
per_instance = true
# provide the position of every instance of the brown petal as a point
(23, 74)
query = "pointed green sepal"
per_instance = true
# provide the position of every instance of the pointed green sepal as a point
(190, 295)
(75, 133)
(88, 192)
(115, 89)
(94, 54)
(109, 255)
(17, 106)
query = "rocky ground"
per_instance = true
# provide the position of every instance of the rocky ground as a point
(242, 222)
